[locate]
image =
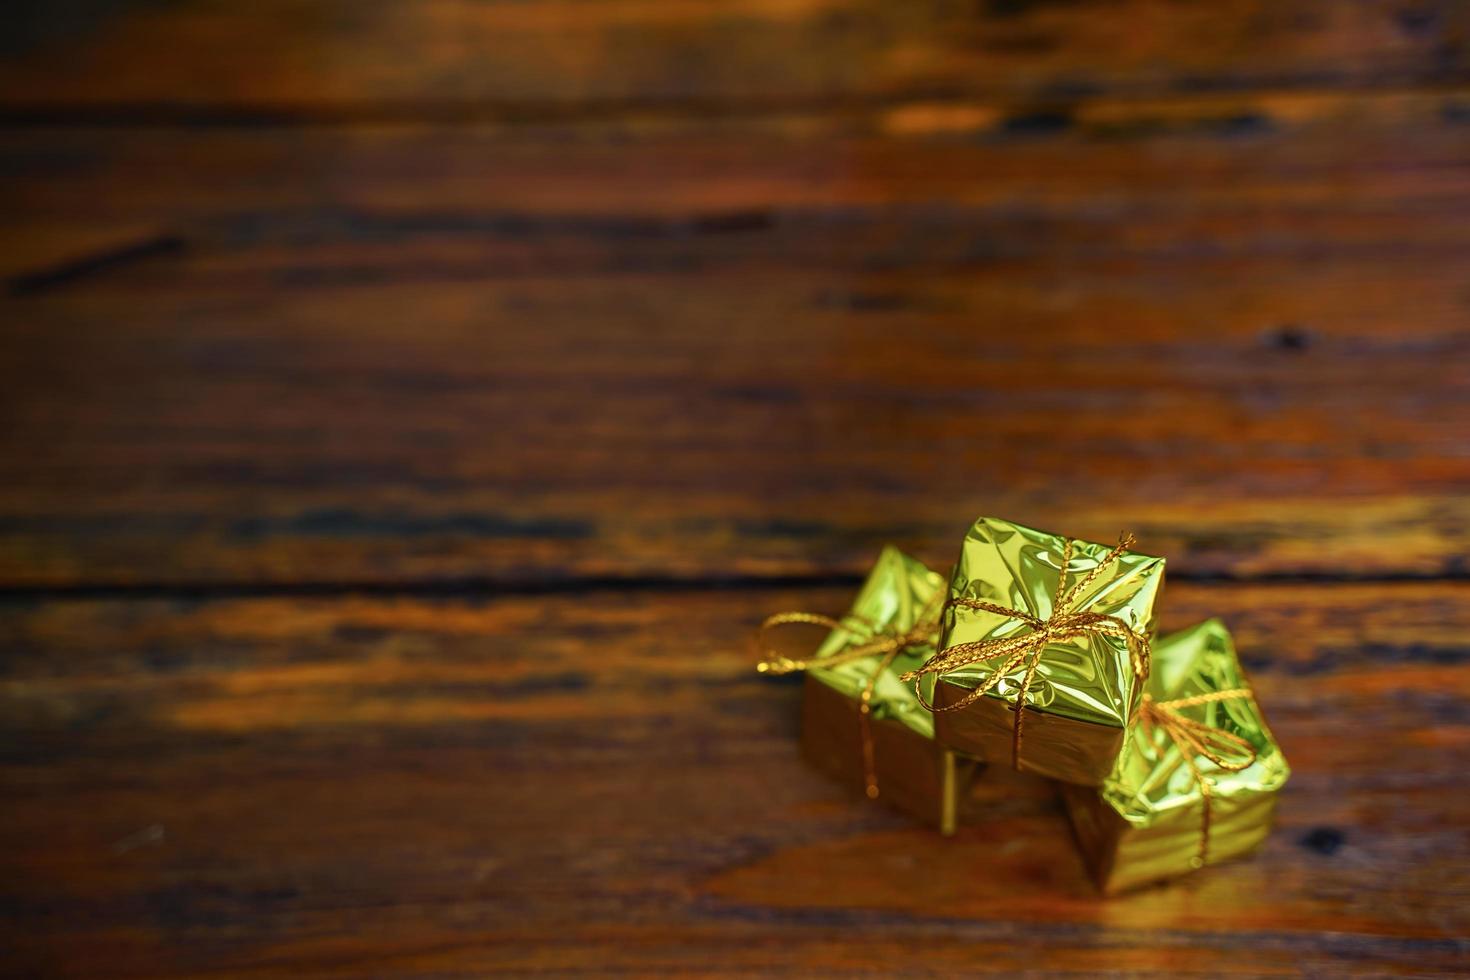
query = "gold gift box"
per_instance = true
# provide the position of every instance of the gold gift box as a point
(1151, 820)
(1084, 690)
(887, 751)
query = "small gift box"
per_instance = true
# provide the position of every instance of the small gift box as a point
(1196, 782)
(1043, 649)
(860, 723)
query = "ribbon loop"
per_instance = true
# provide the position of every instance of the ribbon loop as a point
(779, 663)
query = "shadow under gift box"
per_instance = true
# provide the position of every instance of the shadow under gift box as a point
(1148, 821)
(910, 770)
(1084, 691)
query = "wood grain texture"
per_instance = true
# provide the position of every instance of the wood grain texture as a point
(290, 56)
(406, 409)
(355, 785)
(411, 354)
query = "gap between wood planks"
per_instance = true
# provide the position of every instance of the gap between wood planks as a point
(489, 587)
(1016, 114)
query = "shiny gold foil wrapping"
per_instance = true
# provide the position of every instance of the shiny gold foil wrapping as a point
(1147, 822)
(914, 773)
(1084, 692)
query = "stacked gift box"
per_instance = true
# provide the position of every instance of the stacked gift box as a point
(1038, 655)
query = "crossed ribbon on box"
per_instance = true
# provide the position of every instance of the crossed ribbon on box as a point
(886, 643)
(1197, 740)
(1027, 649)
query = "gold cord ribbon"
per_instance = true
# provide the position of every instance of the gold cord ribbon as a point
(1026, 649)
(1195, 739)
(886, 643)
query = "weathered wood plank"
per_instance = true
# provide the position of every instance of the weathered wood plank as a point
(281, 57)
(341, 785)
(419, 432)
(1332, 160)
(409, 354)
(474, 295)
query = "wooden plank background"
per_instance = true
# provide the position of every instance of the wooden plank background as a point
(410, 407)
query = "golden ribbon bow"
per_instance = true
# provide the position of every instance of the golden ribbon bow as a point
(1028, 648)
(1195, 739)
(887, 643)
